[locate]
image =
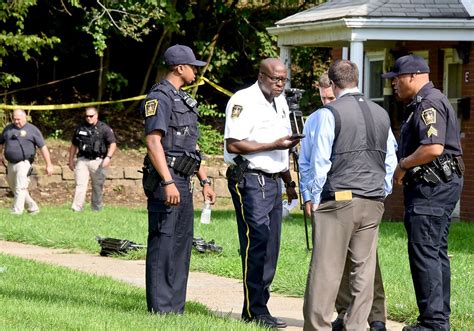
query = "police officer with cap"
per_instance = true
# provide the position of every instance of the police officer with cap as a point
(171, 130)
(21, 139)
(431, 168)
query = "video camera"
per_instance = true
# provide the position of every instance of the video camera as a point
(293, 97)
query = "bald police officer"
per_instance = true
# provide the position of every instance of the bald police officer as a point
(171, 135)
(430, 167)
(256, 148)
(21, 139)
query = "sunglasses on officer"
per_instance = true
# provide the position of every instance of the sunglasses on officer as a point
(90, 116)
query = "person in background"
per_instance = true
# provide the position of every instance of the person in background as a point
(346, 164)
(325, 90)
(431, 169)
(21, 139)
(94, 145)
(171, 130)
(257, 142)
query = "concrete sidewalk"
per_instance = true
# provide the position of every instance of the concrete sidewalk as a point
(221, 295)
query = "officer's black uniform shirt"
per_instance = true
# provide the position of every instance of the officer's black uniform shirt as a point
(165, 110)
(432, 120)
(20, 144)
(102, 131)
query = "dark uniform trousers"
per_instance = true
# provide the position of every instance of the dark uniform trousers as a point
(258, 206)
(170, 238)
(427, 219)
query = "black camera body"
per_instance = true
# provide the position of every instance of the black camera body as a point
(293, 97)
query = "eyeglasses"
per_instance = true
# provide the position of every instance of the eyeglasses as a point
(90, 116)
(276, 79)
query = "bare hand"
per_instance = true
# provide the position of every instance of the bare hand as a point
(49, 169)
(71, 165)
(398, 175)
(105, 162)
(209, 194)
(308, 207)
(286, 142)
(172, 195)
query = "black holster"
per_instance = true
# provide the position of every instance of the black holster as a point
(151, 178)
(237, 172)
(186, 164)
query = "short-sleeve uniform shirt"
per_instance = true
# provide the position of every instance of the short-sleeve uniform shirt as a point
(249, 116)
(21, 143)
(432, 121)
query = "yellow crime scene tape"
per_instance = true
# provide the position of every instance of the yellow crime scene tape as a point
(98, 103)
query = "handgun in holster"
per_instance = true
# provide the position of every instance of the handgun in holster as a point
(237, 172)
(151, 178)
(429, 175)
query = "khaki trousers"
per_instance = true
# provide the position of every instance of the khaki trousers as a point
(378, 312)
(83, 169)
(18, 181)
(342, 228)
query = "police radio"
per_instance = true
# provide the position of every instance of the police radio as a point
(293, 97)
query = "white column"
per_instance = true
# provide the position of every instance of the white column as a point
(285, 57)
(357, 56)
(345, 53)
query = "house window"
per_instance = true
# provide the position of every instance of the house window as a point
(373, 84)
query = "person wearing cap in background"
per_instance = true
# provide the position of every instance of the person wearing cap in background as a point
(171, 131)
(21, 139)
(431, 168)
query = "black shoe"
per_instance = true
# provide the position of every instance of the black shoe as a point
(337, 324)
(377, 326)
(265, 320)
(416, 327)
(281, 324)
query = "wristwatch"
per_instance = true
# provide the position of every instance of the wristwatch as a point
(290, 184)
(205, 181)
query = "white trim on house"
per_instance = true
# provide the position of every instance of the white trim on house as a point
(363, 29)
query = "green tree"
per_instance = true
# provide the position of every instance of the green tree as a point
(13, 39)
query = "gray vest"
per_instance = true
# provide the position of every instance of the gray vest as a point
(359, 149)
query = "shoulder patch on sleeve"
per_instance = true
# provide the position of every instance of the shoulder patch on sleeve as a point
(429, 116)
(432, 132)
(150, 107)
(236, 110)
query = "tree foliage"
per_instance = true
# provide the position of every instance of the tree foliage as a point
(123, 41)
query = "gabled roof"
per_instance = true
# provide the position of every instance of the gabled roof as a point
(335, 9)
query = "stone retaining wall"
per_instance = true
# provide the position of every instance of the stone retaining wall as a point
(128, 177)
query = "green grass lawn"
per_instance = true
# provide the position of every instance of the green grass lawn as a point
(36, 296)
(59, 227)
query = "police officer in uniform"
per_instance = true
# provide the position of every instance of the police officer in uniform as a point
(94, 143)
(171, 133)
(256, 148)
(21, 139)
(430, 167)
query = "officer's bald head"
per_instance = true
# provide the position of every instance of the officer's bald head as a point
(272, 78)
(19, 118)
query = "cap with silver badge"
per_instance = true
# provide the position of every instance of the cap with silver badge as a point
(180, 54)
(408, 64)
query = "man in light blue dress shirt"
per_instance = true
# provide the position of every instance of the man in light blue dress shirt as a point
(347, 160)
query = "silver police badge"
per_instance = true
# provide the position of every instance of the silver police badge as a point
(429, 116)
(236, 110)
